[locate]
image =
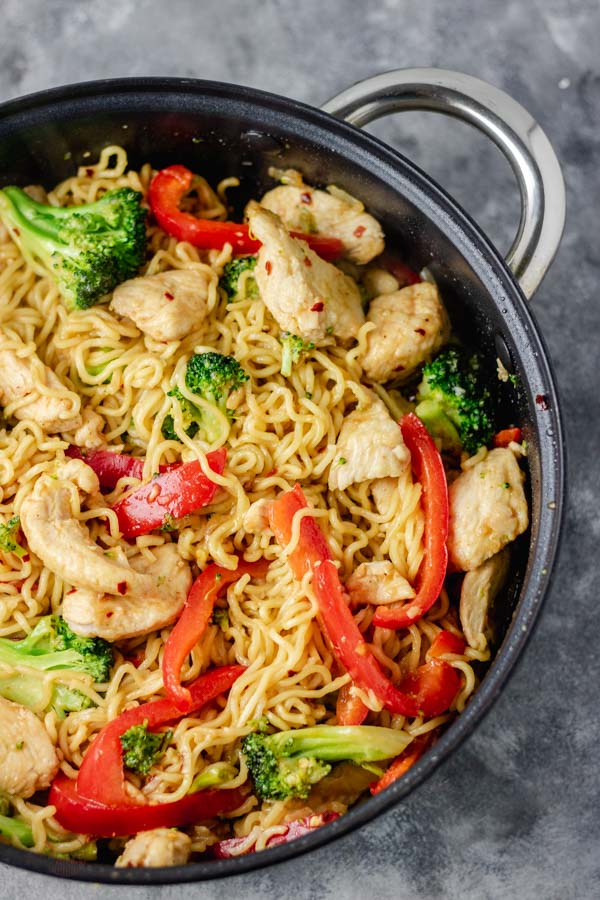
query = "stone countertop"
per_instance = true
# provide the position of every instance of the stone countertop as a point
(514, 813)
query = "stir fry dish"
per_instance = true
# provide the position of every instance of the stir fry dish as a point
(256, 508)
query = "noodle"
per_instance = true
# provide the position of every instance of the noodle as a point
(285, 430)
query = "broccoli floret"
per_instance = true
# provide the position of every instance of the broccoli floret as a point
(288, 763)
(191, 416)
(8, 537)
(143, 748)
(52, 646)
(220, 617)
(95, 654)
(212, 377)
(89, 249)
(88, 852)
(454, 401)
(230, 278)
(30, 691)
(293, 348)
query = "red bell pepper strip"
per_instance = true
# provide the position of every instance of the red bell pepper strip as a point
(312, 548)
(446, 642)
(349, 646)
(349, 709)
(233, 846)
(101, 777)
(507, 436)
(401, 272)
(429, 470)
(170, 495)
(313, 553)
(193, 621)
(404, 762)
(170, 185)
(109, 466)
(82, 815)
(433, 685)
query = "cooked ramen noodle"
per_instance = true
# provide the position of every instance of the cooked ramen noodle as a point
(304, 470)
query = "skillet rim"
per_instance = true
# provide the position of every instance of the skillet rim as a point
(488, 265)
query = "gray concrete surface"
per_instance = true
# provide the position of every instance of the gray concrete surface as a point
(514, 814)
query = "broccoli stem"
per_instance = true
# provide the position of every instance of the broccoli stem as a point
(15, 828)
(213, 776)
(357, 743)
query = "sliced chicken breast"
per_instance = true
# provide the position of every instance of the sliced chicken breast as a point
(156, 848)
(478, 592)
(369, 446)
(38, 393)
(411, 325)
(307, 296)
(166, 306)
(28, 758)
(488, 509)
(377, 583)
(116, 618)
(303, 208)
(112, 597)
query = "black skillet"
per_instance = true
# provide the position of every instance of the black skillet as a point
(221, 130)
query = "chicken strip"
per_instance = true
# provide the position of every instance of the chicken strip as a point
(167, 306)
(63, 543)
(114, 618)
(488, 509)
(411, 325)
(385, 495)
(303, 208)
(256, 517)
(307, 296)
(113, 597)
(369, 446)
(377, 583)
(89, 433)
(479, 589)
(28, 758)
(35, 389)
(155, 848)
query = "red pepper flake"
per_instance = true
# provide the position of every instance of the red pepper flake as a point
(359, 231)
(306, 198)
(420, 331)
(122, 587)
(542, 401)
(268, 267)
(154, 493)
(307, 262)
(169, 296)
(72, 591)
(25, 558)
(399, 369)
(109, 615)
(89, 172)
(318, 306)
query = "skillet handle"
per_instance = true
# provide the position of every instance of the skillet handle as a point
(502, 119)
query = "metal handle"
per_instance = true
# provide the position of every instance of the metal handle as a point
(502, 119)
